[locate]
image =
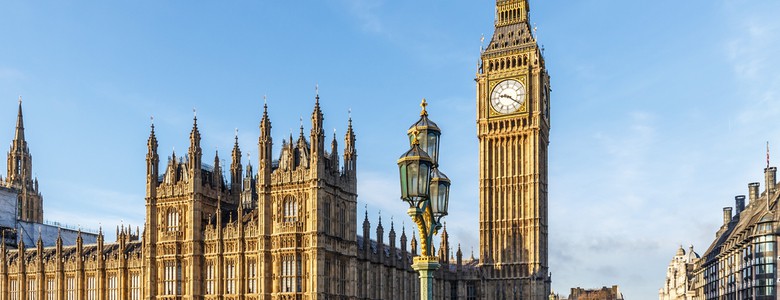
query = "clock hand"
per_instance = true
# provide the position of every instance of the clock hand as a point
(510, 98)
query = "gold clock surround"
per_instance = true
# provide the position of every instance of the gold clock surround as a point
(523, 109)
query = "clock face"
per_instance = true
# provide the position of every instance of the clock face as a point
(508, 96)
(545, 110)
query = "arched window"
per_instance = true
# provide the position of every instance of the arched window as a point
(291, 273)
(290, 207)
(326, 216)
(342, 221)
(210, 278)
(230, 277)
(173, 220)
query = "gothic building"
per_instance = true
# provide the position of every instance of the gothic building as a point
(21, 203)
(287, 230)
(513, 125)
(19, 177)
(286, 227)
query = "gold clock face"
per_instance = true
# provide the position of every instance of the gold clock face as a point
(507, 96)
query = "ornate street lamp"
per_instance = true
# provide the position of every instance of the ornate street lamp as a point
(427, 133)
(426, 189)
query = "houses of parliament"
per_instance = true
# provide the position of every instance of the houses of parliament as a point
(285, 227)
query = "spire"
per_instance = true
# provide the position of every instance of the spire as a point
(366, 233)
(300, 137)
(249, 191)
(334, 151)
(380, 239)
(249, 172)
(264, 144)
(216, 159)
(195, 151)
(19, 174)
(152, 159)
(265, 122)
(350, 153)
(152, 137)
(317, 130)
(513, 31)
(236, 168)
(19, 134)
(392, 233)
(459, 257)
(403, 238)
(444, 246)
(391, 237)
(413, 244)
(349, 137)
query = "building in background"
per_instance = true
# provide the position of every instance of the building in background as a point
(680, 276)
(741, 263)
(603, 293)
(21, 203)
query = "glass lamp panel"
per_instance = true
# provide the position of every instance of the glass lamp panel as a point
(404, 185)
(425, 177)
(439, 198)
(434, 191)
(413, 173)
(444, 188)
(432, 145)
(423, 141)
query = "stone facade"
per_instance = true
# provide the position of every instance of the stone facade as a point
(287, 230)
(21, 203)
(19, 176)
(513, 125)
(603, 293)
(680, 276)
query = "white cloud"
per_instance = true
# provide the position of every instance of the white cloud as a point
(752, 52)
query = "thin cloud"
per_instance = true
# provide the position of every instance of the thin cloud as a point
(7, 73)
(365, 11)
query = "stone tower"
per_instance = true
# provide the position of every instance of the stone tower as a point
(513, 129)
(19, 176)
(305, 203)
(178, 204)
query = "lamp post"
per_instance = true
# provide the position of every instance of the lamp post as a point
(426, 189)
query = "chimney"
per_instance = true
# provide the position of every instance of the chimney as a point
(770, 176)
(739, 206)
(753, 191)
(726, 215)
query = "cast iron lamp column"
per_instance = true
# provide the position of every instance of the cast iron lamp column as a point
(426, 190)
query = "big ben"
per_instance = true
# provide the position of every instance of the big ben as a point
(513, 123)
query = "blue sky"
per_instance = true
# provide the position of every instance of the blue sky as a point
(660, 110)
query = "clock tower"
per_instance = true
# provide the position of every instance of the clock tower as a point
(513, 126)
